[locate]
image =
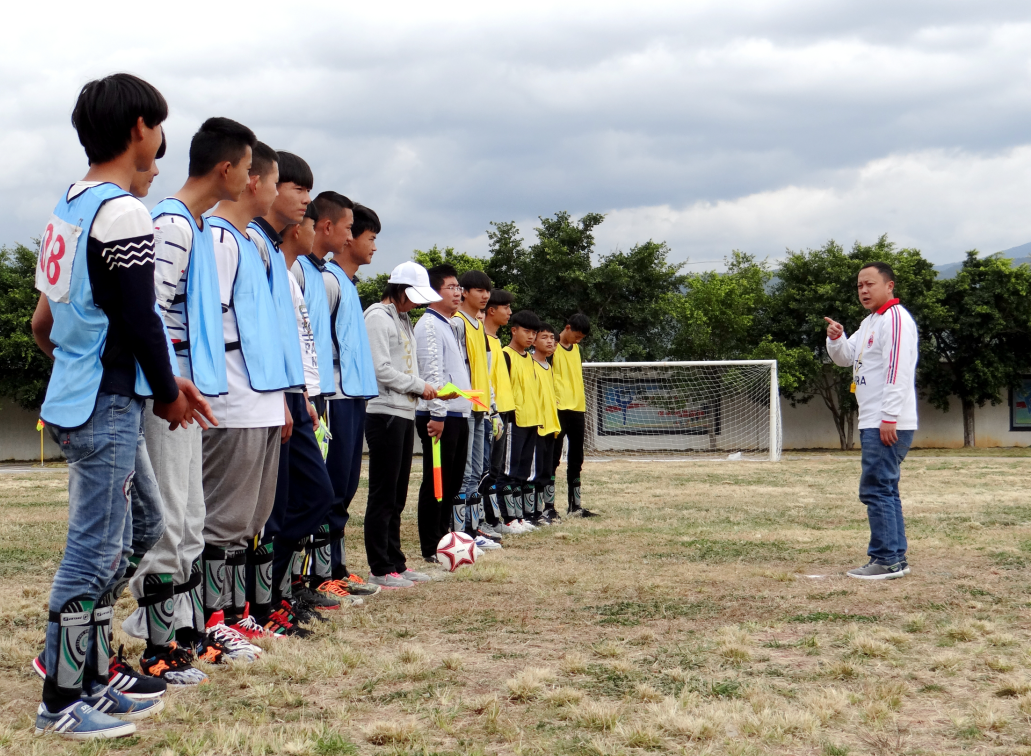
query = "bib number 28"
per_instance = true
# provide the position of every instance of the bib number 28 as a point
(56, 254)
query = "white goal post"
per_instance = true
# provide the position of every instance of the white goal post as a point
(719, 409)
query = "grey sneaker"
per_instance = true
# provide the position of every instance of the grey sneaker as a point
(905, 566)
(393, 580)
(874, 571)
(416, 577)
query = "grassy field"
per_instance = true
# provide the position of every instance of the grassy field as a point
(705, 613)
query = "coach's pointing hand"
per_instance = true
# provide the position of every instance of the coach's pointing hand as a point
(834, 329)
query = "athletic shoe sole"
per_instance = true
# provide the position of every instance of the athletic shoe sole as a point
(112, 732)
(886, 576)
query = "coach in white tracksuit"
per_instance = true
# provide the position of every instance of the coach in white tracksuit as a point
(883, 356)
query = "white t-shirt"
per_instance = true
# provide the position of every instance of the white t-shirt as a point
(119, 218)
(307, 338)
(242, 407)
(173, 240)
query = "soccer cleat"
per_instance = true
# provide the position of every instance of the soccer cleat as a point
(432, 560)
(338, 589)
(527, 526)
(124, 679)
(491, 534)
(210, 651)
(873, 571)
(235, 644)
(553, 516)
(581, 512)
(315, 599)
(415, 577)
(280, 617)
(107, 700)
(358, 587)
(486, 544)
(173, 665)
(81, 722)
(510, 528)
(299, 612)
(250, 629)
(391, 581)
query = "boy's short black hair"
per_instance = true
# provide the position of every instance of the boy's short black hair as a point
(312, 212)
(579, 322)
(474, 279)
(262, 159)
(440, 273)
(883, 268)
(500, 298)
(294, 170)
(219, 139)
(549, 328)
(164, 145)
(526, 319)
(365, 219)
(107, 110)
(331, 205)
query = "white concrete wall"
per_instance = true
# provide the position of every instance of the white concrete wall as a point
(19, 439)
(810, 426)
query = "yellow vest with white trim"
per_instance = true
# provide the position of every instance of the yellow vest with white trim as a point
(476, 349)
(499, 379)
(525, 388)
(569, 378)
(549, 407)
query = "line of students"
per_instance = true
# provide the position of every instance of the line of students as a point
(214, 376)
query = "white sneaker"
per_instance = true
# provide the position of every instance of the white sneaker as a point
(477, 551)
(485, 544)
(416, 577)
(391, 581)
(235, 643)
(527, 526)
(510, 528)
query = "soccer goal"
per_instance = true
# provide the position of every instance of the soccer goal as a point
(714, 409)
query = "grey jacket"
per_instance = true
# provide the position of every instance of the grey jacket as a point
(392, 341)
(440, 362)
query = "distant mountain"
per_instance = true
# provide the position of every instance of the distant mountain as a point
(1019, 255)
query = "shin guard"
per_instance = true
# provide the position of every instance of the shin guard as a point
(475, 513)
(492, 501)
(529, 501)
(214, 587)
(458, 513)
(259, 575)
(319, 555)
(158, 604)
(123, 581)
(338, 555)
(194, 596)
(99, 645)
(511, 498)
(236, 583)
(67, 640)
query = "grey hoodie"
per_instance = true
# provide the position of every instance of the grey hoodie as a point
(392, 342)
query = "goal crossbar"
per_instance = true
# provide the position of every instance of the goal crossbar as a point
(707, 408)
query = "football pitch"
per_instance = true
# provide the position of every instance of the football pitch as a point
(706, 612)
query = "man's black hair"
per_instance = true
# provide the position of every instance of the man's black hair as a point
(295, 170)
(526, 319)
(262, 159)
(883, 268)
(500, 298)
(440, 273)
(331, 205)
(475, 279)
(312, 212)
(161, 150)
(218, 140)
(365, 219)
(579, 323)
(549, 328)
(107, 110)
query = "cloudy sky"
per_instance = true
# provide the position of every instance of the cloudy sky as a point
(710, 125)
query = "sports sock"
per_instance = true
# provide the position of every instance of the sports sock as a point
(236, 585)
(338, 555)
(458, 512)
(158, 604)
(214, 587)
(67, 637)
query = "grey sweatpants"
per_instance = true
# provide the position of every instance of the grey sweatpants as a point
(241, 466)
(176, 457)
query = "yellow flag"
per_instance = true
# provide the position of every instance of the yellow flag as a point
(39, 424)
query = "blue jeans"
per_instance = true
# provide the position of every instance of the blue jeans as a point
(101, 461)
(473, 456)
(147, 521)
(879, 490)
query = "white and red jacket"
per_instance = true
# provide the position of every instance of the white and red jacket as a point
(883, 354)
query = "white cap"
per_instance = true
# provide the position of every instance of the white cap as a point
(418, 281)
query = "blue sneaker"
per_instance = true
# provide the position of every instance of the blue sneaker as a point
(81, 722)
(107, 700)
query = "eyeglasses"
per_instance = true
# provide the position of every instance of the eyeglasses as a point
(452, 287)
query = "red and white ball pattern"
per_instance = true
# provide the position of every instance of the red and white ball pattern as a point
(456, 549)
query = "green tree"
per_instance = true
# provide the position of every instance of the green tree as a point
(370, 290)
(24, 369)
(459, 260)
(976, 332)
(822, 282)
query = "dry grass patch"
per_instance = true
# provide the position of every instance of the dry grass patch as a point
(529, 683)
(391, 733)
(596, 715)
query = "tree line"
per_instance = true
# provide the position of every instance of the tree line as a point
(975, 328)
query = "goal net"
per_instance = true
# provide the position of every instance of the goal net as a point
(721, 409)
